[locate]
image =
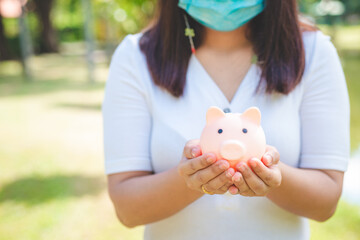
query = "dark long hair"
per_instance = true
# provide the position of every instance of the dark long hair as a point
(275, 34)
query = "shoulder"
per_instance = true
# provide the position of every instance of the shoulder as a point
(320, 52)
(323, 76)
(128, 57)
(129, 47)
(128, 64)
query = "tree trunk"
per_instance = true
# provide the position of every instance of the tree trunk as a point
(4, 50)
(49, 42)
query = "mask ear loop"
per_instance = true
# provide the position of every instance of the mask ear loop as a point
(189, 32)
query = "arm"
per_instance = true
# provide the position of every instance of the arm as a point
(138, 195)
(308, 192)
(142, 197)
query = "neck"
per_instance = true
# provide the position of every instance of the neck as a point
(226, 41)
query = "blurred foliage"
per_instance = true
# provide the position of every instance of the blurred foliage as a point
(115, 18)
(351, 14)
(351, 6)
(112, 20)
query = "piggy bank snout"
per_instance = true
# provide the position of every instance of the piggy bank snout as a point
(232, 150)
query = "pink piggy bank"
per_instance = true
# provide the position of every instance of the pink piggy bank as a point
(233, 137)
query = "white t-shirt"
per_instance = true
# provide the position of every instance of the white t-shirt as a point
(146, 128)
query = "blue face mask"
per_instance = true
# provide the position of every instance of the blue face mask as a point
(222, 15)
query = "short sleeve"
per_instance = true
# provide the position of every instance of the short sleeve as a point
(126, 116)
(325, 110)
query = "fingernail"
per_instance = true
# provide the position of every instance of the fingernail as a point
(253, 163)
(223, 166)
(194, 152)
(268, 159)
(241, 168)
(238, 178)
(233, 190)
(230, 172)
(210, 159)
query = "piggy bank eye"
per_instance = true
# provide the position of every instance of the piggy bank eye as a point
(244, 130)
(220, 131)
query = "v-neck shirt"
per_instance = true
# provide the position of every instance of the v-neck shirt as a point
(209, 82)
(146, 128)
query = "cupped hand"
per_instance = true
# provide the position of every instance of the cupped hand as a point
(203, 171)
(257, 177)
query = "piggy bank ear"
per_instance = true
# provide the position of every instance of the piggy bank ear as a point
(253, 114)
(214, 113)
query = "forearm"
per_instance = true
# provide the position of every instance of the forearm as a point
(307, 192)
(146, 199)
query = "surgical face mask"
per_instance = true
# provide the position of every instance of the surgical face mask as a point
(222, 15)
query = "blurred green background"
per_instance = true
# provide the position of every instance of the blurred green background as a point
(52, 184)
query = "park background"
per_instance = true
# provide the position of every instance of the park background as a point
(54, 58)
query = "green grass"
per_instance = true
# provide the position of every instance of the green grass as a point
(52, 184)
(351, 65)
(343, 225)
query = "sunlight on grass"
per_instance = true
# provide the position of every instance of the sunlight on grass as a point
(52, 185)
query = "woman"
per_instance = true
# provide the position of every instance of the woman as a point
(160, 86)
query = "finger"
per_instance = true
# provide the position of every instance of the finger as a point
(225, 188)
(233, 190)
(192, 149)
(219, 181)
(191, 166)
(248, 193)
(240, 184)
(271, 177)
(252, 180)
(271, 156)
(205, 175)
